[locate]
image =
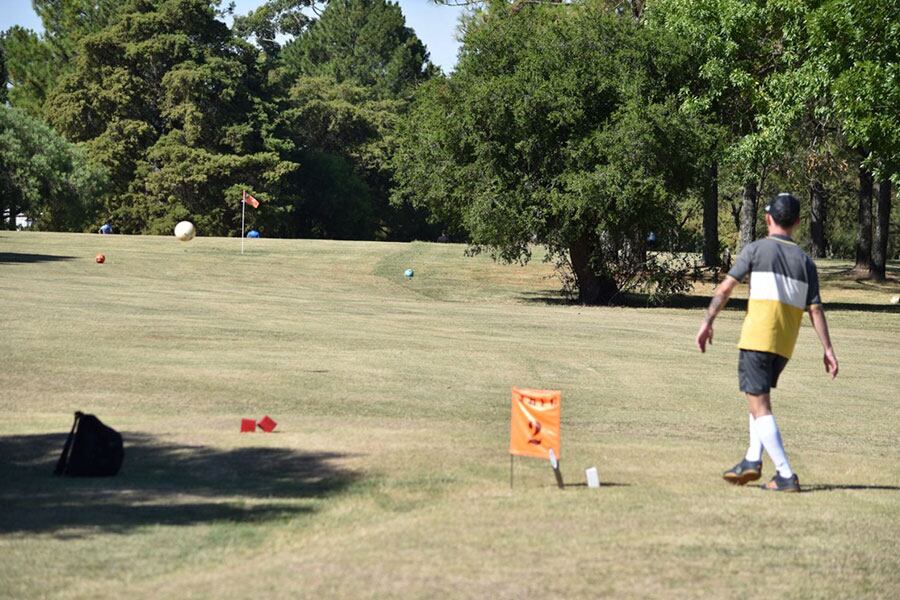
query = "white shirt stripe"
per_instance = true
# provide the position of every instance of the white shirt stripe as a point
(772, 286)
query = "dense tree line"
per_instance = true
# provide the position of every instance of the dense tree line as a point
(599, 128)
(181, 112)
(558, 127)
(799, 96)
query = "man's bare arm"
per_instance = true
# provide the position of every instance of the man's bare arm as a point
(820, 324)
(718, 302)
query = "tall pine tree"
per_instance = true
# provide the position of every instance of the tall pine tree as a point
(345, 81)
(166, 97)
(365, 42)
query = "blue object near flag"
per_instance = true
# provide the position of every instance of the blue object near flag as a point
(253, 234)
(106, 229)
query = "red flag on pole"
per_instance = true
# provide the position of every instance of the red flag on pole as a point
(248, 199)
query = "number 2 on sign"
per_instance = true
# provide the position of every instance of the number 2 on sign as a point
(534, 427)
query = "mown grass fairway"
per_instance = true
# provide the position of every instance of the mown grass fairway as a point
(388, 475)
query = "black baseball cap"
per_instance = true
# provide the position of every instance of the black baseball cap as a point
(784, 208)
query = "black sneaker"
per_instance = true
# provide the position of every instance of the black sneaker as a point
(743, 472)
(783, 484)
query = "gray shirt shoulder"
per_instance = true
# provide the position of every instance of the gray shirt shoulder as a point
(782, 258)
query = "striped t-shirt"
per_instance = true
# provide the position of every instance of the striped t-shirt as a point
(783, 283)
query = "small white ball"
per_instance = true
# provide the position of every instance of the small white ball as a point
(895, 300)
(184, 231)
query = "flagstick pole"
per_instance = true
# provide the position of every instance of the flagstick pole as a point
(243, 209)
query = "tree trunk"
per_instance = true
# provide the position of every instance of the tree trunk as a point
(6, 193)
(748, 214)
(818, 201)
(882, 223)
(864, 225)
(711, 218)
(13, 211)
(592, 289)
(634, 249)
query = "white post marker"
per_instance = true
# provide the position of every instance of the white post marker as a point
(243, 208)
(593, 477)
(554, 463)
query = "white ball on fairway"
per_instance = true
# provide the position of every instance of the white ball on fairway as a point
(184, 231)
(895, 300)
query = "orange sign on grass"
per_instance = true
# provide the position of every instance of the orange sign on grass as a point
(534, 423)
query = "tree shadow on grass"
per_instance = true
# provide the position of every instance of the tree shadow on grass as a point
(22, 258)
(701, 302)
(548, 297)
(160, 483)
(846, 271)
(740, 304)
(698, 303)
(827, 487)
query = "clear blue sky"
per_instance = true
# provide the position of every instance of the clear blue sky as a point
(435, 25)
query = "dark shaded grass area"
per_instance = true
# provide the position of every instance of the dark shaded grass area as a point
(160, 483)
(830, 273)
(834, 276)
(740, 304)
(699, 303)
(24, 258)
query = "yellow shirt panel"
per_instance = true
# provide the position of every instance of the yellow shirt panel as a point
(771, 326)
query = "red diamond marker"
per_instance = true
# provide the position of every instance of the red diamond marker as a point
(267, 424)
(248, 425)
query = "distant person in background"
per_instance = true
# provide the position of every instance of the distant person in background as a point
(783, 282)
(106, 229)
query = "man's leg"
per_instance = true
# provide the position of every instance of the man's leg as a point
(768, 433)
(754, 449)
(749, 469)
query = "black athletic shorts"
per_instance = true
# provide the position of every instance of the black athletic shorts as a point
(758, 371)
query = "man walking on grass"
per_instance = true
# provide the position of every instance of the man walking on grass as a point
(783, 282)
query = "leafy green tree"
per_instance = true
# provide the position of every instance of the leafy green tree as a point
(31, 67)
(856, 45)
(857, 42)
(67, 21)
(737, 45)
(339, 132)
(273, 18)
(168, 100)
(364, 42)
(560, 126)
(345, 82)
(37, 62)
(333, 201)
(4, 74)
(881, 234)
(797, 144)
(45, 177)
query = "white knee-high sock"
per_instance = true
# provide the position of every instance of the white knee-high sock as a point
(770, 436)
(754, 450)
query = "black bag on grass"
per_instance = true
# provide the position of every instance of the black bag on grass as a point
(92, 449)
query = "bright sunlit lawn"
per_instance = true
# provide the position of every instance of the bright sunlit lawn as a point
(387, 475)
